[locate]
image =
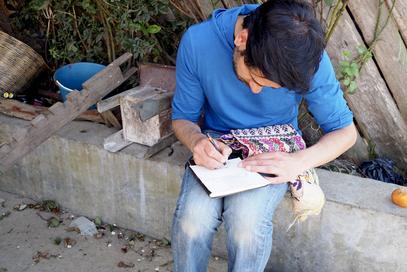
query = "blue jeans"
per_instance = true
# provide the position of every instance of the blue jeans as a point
(248, 223)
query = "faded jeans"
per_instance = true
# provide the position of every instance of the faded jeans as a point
(248, 223)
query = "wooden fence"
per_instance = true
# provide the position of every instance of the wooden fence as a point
(380, 103)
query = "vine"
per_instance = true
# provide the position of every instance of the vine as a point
(350, 67)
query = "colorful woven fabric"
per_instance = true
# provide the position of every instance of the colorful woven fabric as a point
(307, 196)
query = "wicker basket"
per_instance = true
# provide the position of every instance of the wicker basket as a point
(19, 64)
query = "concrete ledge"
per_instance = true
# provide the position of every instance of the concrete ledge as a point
(358, 230)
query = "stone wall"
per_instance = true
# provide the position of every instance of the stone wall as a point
(358, 230)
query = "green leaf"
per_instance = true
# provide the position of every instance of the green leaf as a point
(57, 240)
(346, 53)
(352, 87)
(354, 65)
(38, 5)
(53, 222)
(355, 69)
(98, 221)
(348, 71)
(153, 29)
(346, 82)
(344, 63)
(361, 50)
(356, 72)
(329, 2)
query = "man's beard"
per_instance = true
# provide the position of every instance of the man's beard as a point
(237, 53)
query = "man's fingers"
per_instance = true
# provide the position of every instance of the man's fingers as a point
(267, 169)
(269, 173)
(226, 150)
(256, 162)
(211, 151)
(264, 156)
(208, 162)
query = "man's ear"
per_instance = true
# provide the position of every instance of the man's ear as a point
(241, 39)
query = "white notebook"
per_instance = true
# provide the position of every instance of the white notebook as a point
(228, 180)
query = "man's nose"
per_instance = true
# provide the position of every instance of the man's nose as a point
(254, 87)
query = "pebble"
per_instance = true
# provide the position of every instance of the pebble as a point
(2, 201)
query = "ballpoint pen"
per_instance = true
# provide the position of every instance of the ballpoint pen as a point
(215, 145)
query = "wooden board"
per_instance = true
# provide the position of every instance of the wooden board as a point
(160, 145)
(373, 106)
(114, 101)
(110, 119)
(388, 50)
(115, 142)
(28, 112)
(162, 76)
(44, 126)
(399, 14)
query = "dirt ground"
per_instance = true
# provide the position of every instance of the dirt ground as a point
(28, 244)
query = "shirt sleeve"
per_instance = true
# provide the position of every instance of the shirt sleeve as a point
(325, 99)
(189, 97)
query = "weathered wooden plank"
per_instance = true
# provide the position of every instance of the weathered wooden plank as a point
(104, 77)
(57, 108)
(115, 142)
(163, 143)
(399, 14)
(42, 130)
(373, 106)
(153, 106)
(114, 101)
(28, 112)
(388, 49)
(110, 119)
(90, 115)
(18, 109)
(39, 120)
(162, 76)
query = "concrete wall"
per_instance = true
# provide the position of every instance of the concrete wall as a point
(358, 230)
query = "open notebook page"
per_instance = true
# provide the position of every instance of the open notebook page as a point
(229, 179)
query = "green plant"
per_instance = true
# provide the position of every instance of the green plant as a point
(334, 14)
(101, 30)
(350, 67)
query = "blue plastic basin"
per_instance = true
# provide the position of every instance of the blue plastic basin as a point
(70, 77)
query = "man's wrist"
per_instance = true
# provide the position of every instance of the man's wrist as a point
(195, 138)
(303, 159)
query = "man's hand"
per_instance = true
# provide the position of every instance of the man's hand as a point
(205, 154)
(286, 166)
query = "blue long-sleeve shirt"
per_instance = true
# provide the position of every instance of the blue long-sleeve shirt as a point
(206, 82)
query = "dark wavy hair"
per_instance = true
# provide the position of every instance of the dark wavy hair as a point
(285, 42)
